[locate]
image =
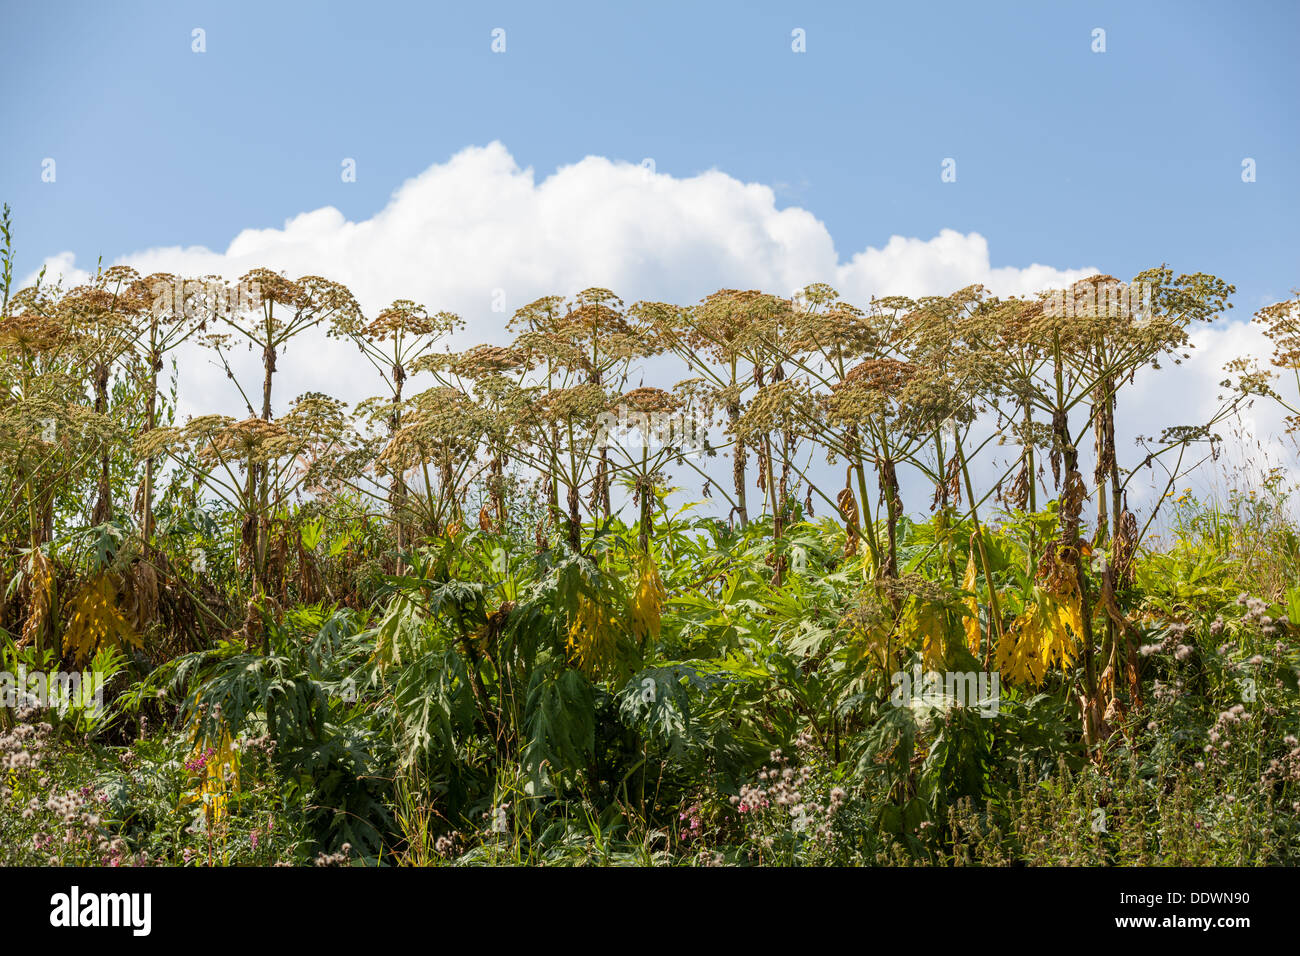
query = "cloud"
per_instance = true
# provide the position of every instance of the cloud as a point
(1254, 440)
(477, 223)
(479, 233)
(59, 267)
(480, 236)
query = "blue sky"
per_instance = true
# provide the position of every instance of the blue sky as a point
(484, 180)
(1120, 159)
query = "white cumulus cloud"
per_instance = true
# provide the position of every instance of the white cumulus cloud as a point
(480, 236)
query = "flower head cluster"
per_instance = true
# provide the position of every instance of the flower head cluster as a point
(338, 858)
(1172, 642)
(1221, 734)
(783, 799)
(23, 747)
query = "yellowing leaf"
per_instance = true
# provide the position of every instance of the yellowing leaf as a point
(217, 765)
(971, 623)
(648, 602)
(922, 627)
(40, 596)
(1045, 635)
(593, 637)
(94, 621)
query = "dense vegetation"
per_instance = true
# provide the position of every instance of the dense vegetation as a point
(463, 621)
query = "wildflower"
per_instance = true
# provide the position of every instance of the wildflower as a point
(445, 844)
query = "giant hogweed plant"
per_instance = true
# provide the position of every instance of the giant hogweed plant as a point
(611, 647)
